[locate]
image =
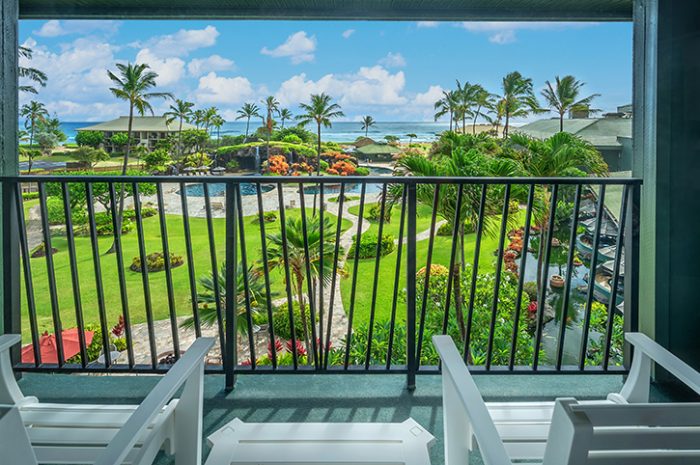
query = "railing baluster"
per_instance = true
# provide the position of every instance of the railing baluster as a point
(168, 270)
(521, 276)
(53, 295)
(266, 273)
(631, 270)
(321, 263)
(541, 300)
(600, 207)
(190, 261)
(334, 276)
(358, 240)
(426, 277)
(116, 232)
(28, 278)
(246, 282)
(453, 258)
(215, 273)
(567, 281)
(411, 261)
(397, 278)
(98, 275)
(619, 247)
(144, 274)
(375, 280)
(497, 284)
(287, 276)
(311, 351)
(230, 347)
(475, 272)
(75, 282)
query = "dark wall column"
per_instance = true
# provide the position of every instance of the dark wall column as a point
(8, 162)
(667, 156)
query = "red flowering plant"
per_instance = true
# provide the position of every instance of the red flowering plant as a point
(279, 348)
(278, 165)
(300, 349)
(344, 168)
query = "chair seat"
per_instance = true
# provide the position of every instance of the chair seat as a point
(78, 433)
(320, 443)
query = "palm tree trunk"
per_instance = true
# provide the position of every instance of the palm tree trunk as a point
(179, 139)
(476, 115)
(304, 321)
(247, 125)
(318, 164)
(450, 121)
(561, 122)
(122, 189)
(505, 126)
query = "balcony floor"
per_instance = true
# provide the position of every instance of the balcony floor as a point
(332, 398)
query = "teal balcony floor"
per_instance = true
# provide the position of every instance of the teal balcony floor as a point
(321, 398)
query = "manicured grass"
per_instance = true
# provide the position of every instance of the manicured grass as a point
(156, 281)
(392, 227)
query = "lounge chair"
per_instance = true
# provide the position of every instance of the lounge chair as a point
(115, 434)
(623, 429)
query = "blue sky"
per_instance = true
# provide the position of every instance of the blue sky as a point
(393, 71)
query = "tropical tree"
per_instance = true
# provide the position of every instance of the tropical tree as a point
(320, 110)
(207, 297)
(299, 247)
(447, 105)
(33, 74)
(411, 136)
(181, 111)
(272, 108)
(285, 115)
(133, 83)
(563, 97)
(463, 161)
(367, 122)
(198, 117)
(248, 111)
(210, 114)
(33, 112)
(485, 104)
(466, 100)
(518, 98)
(216, 122)
(49, 133)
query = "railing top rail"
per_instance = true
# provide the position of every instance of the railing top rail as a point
(328, 180)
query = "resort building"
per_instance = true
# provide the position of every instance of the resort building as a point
(376, 152)
(146, 130)
(610, 134)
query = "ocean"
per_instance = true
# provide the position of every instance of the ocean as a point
(340, 132)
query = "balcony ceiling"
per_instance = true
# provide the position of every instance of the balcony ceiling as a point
(453, 10)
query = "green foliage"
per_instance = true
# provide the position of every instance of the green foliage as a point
(331, 147)
(232, 165)
(596, 345)
(280, 322)
(530, 289)
(157, 159)
(368, 246)
(89, 138)
(375, 212)
(324, 165)
(194, 139)
(292, 139)
(197, 160)
(307, 137)
(46, 140)
(56, 213)
(361, 171)
(90, 156)
(119, 139)
(156, 262)
(232, 140)
(30, 195)
(445, 229)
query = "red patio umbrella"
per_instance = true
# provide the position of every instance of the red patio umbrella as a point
(48, 349)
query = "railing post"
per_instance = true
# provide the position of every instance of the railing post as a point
(631, 293)
(230, 311)
(10, 261)
(411, 288)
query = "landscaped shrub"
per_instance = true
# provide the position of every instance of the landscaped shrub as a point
(197, 160)
(157, 160)
(324, 165)
(232, 165)
(530, 289)
(445, 229)
(343, 168)
(361, 171)
(292, 139)
(368, 246)
(103, 223)
(270, 217)
(156, 262)
(56, 213)
(277, 164)
(30, 195)
(280, 322)
(375, 212)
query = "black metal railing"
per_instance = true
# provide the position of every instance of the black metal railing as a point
(331, 274)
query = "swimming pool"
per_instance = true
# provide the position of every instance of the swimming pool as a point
(352, 188)
(219, 189)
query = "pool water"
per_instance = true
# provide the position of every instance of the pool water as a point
(352, 188)
(219, 189)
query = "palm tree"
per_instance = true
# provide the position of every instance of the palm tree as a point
(300, 246)
(563, 96)
(207, 298)
(181, 111)
(198, 117)
(33, 112)
(367, 122)
(248, 111)
(446, 105)
(216, 122)
(133, 84)
(411, 136)
(208, 117)
(466, 99)
(285, 115)
(484, 102)
(32, 74)
(518, 98)
(563, 154)
(321, 111)
(272, 106)
(463, 161)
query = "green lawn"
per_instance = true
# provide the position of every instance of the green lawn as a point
(392, 227)
(176, 241)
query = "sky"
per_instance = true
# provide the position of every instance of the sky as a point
(393, 71)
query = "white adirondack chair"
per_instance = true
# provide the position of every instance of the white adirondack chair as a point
(115, 434)
(620, 430)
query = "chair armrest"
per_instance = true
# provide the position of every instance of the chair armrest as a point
(461, 398)
(179, 374)
(636, 388)
(9, 340)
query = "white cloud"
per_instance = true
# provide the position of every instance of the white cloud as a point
(170, 70)
(368, 86)
(393, 60)
(427, 24)
(347, 33)
(96, 111)
(429, 97)
(182, 42)
(504, 32)
(298, 48)
(55, 28)
(220, 90)
(200, 66)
